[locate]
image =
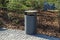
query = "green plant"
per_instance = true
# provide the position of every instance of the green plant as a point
(3, 3)
(16, 21)
(1, 23)
(24, 4)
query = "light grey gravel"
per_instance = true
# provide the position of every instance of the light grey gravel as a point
(11, 34)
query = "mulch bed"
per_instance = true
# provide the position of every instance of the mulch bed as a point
(10, 25)
(48, 23)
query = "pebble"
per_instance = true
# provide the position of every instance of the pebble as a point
(11, 34)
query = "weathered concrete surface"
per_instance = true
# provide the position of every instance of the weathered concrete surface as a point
(10, 34)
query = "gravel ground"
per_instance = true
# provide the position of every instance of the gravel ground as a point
(10, 34)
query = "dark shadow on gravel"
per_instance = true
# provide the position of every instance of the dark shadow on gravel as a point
(2, 29)
(46, 37)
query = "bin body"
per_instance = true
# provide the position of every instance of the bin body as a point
(30, 24)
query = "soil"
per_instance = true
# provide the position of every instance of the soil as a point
(48, 23)
(10, 25)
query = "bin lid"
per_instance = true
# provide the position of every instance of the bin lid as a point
(32, 11)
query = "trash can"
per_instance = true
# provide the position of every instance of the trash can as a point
(30, 22)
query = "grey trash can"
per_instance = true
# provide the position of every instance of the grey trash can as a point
(30, 22)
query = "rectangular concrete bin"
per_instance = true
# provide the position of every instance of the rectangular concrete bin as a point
(30, 22)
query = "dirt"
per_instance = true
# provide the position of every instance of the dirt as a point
(48, 23)
(9, 24)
